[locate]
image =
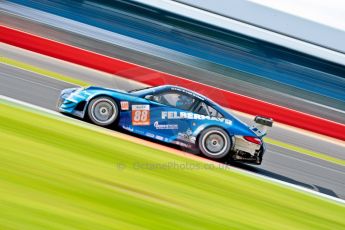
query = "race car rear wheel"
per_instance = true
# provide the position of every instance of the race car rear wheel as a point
(214, 143)
(103, 111)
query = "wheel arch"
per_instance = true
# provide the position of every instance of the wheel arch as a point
(231, 136)
(116, 100)
(103, 94)
(218, 128)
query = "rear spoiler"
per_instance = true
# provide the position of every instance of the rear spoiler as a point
(262, 125)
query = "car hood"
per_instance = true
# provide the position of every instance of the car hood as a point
(91, 88)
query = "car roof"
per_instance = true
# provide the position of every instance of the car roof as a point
(183, 90)
(162, 88)
(187, 91)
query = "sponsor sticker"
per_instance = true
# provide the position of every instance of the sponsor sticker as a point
(140, 114)
(182, 144)
(165, 126)
(187, 136)
(124, 105)
(150, 135)
(159, 137)
(128, 128)
(188, 92)
(192, 116)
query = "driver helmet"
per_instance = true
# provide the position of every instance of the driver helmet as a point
(184, 101)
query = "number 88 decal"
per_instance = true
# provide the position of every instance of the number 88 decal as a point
(140, 114)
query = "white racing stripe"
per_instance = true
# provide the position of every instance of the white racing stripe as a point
(164, 148)
(32, 106)
(307, 162)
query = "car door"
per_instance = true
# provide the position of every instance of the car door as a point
(169, 120)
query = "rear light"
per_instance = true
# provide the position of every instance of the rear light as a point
(254, 140)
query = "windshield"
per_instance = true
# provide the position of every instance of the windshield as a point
(139, 89)
(175, 99)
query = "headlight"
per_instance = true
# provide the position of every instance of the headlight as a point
(66, 92)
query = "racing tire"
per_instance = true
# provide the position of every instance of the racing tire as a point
(214, 143)
(260, 156)
(103, 111)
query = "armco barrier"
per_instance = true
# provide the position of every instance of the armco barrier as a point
(153, 77)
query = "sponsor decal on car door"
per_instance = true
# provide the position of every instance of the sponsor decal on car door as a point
(140, 115)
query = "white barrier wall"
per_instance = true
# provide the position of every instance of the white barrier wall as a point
(275, 20)
(253, 20)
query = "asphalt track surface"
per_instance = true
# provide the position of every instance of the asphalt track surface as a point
(279, 163)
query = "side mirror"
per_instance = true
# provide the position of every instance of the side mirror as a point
(149, 97)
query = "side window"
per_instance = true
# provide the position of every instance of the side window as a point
(214, 112)
(174, 99)
(202, 109)
(207, 110)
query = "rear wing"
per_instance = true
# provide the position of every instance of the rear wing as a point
(262, 125)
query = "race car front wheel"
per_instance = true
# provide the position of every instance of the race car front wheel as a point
(103, 111)
(214, 143)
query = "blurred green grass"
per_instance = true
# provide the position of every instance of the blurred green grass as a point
(58, 175)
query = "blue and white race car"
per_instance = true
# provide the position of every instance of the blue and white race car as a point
(170, 114)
